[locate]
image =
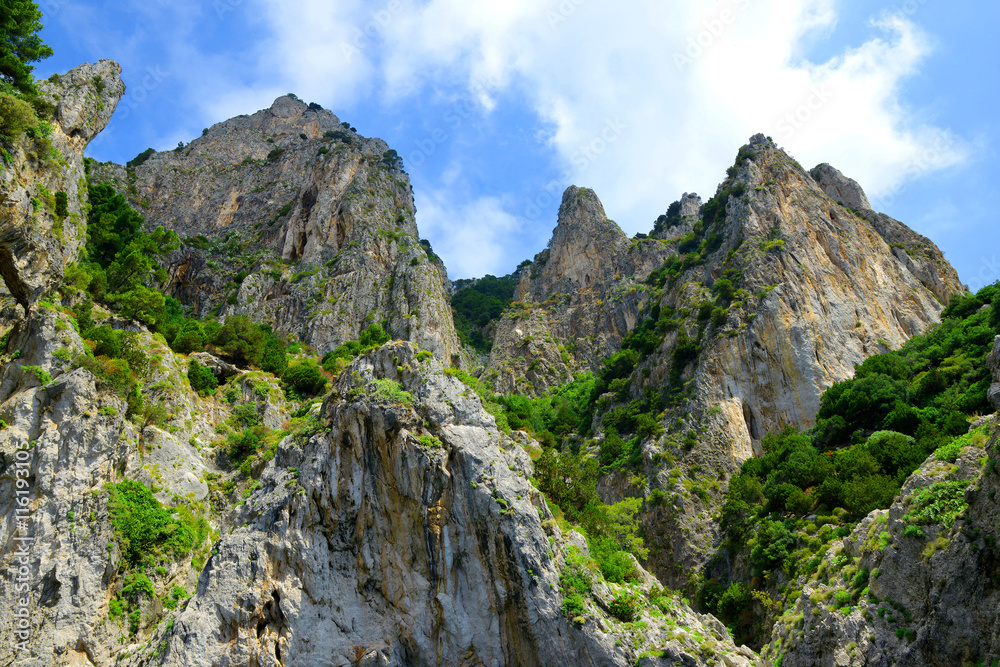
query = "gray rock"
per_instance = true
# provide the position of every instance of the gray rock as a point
(321, 229)
(399, 534)
(35, 245)
(840, 188)
(993, 362)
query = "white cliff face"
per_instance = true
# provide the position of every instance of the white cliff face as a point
(294, 220)
(37, 238)
(403, 532)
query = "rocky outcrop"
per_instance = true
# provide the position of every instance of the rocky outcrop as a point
(931, 589)
(993, 362)
(65, 434)
(405, 532)
(294, 219)
(840, 188)
(42, 189)
(576, 302)
(811, 290)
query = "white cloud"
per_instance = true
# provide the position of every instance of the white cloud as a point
(682, 87)
(645, 102)
(473, 238)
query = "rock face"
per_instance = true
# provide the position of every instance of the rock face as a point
(576, 303)
(813, 289)
(65, 437)
(840, 188)
(38, 234)
(993, 361)
(934, 591)
(292, 218)
(404, 532)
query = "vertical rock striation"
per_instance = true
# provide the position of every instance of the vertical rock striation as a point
(292, 218)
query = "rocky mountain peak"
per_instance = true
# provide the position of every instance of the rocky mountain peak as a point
(581, 237)
(840, 188)
(38, 236)
(85, 99)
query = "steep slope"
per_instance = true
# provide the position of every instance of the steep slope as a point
(294, 219)
(576, 302)
(773, 293)
(930, 568)
(42, 183)
(405, 532)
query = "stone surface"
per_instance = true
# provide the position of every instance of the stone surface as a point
(294, 220)
(993, 361)
(819, 290)
(576, 302)
(35, 242)
(366, 545)
(840, 188)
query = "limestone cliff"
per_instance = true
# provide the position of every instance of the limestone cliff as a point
(294, 219)
(771, 295)
(42, 188)
(576, 303)
(405, 532)
(931, 576)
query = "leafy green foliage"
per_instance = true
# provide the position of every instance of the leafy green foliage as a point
(477, 304)
(202, 378)
(373, 336)
(304, 378)
(16, 117)
(626, 606)
(20, 45)
(140, 158)
(145, 528)
(940, 503)
(770, 546)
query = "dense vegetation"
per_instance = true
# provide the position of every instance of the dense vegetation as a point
(20, 46)
(872, 432)
(477, 304)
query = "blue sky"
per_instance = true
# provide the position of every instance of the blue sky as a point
(497, 106)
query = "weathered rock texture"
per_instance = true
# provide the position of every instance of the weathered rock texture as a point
(291, 218)
(37, 238)
(402, 534)
(68, 435)
(817, 290)
(576, 303)
(933, 595)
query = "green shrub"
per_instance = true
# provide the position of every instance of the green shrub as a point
(145, 528)
(40, 374)
(304, 378)
(390, 390)
(16, 116)
(202, 378)
(940, 503)
(626, 606)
